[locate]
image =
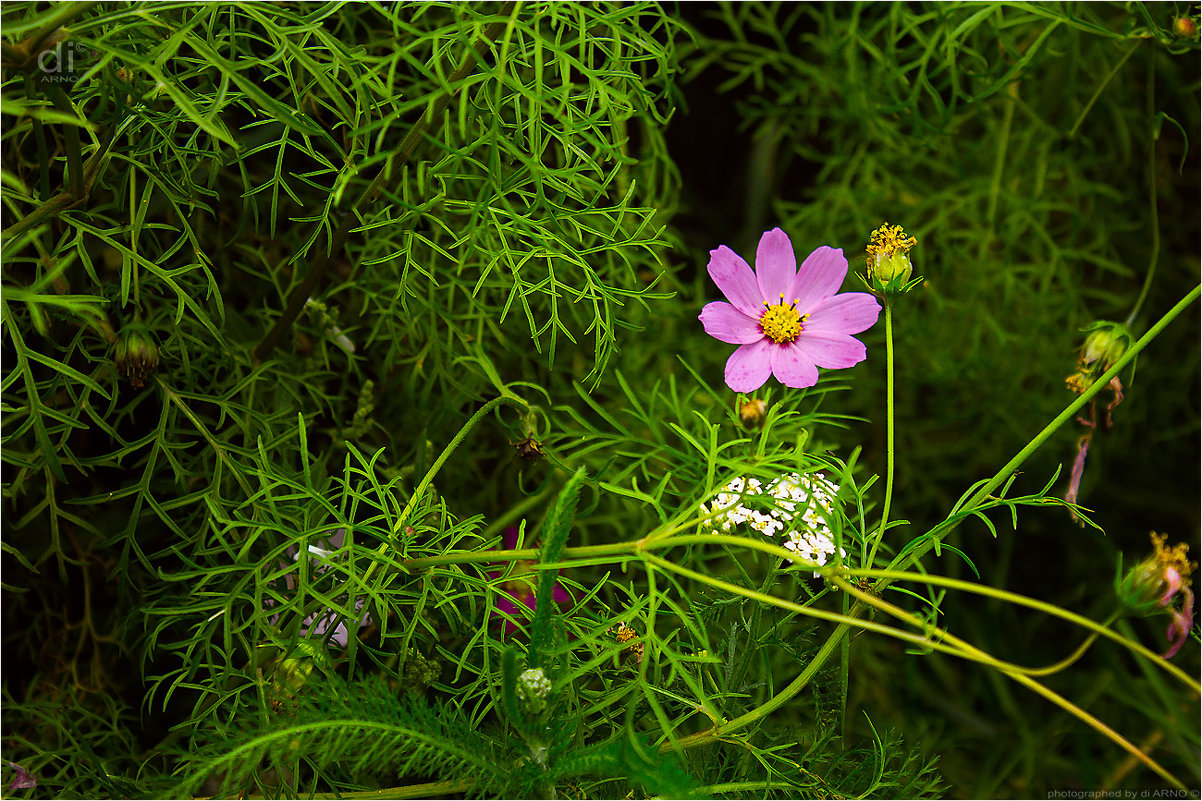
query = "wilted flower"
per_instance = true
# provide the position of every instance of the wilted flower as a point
(136, 354)
(807, 499)
(1105, 344)
(889, 267)
(519, 588)
(1074, 482)
(787, 322)
(1152, 585)
(325, 622)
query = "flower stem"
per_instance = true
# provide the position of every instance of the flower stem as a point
(969, 651)
(936, 535)
(420, 490)
(1042, 606)
(889, 422)
(1155, 257)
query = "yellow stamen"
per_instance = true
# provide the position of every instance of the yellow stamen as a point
(782, 322)
(886, 241)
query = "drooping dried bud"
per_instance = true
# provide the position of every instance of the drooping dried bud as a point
(136, 354)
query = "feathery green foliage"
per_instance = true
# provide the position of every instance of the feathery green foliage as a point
(304, 305)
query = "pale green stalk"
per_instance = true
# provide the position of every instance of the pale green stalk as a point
(1033, 603)
(1021, 678)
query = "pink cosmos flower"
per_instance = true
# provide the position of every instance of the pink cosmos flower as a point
(787, 322)
(519, 589)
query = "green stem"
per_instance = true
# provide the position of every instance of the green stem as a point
(420, 490)
(1152, 204)
(889, 421)
(1102, 86)
(937, 534)
(1042, 606)
(969, 651)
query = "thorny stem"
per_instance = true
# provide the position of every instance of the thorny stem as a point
(325, 255)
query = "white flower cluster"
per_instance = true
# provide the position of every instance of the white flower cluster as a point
(800, 505)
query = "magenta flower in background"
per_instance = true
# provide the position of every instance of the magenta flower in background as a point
(519, 589)
(787, 322)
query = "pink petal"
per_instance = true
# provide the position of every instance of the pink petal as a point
(506, 603)
(849, 313)
(736, 280)
(775, 265)
(559, 595)
(1074, 483)
(1172, 580)
(509, 538)
(793, 367)
(820, 276)
(749, 366)
(832, 351)
(724, 322)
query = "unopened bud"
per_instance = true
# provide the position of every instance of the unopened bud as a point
(752, 414)
(136, 354)
(1185, 27)
(532, 690)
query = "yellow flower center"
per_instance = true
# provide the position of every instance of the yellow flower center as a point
(782, 323)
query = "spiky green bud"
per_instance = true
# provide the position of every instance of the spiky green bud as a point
(532, 689)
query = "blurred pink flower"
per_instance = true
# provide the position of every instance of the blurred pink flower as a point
(22, 779)
(520, 587)
(787, 322)
(1183, 620)
(324, 623)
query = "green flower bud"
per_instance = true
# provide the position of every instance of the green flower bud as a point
(1141, 588)
(1105, 345)
(1152, 584)
(136, 354)
(532, 690)
(889, 266)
